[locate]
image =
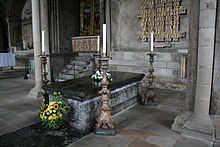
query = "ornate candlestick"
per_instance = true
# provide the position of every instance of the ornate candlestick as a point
(104, 125)
(44, 77)
(150, 98)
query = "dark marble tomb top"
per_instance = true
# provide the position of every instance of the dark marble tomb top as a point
(83, 89)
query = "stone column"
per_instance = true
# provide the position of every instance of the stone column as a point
(198, 123)
(45, 28)
(108, 25)
(193, 54)
(36, 91)
(205, 56)
(102, 21)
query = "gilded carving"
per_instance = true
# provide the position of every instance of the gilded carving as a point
(161, 17)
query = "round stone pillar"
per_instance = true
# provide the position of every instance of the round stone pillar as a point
(36, 91)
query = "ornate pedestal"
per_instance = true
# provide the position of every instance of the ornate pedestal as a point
(150, 98)
(104, 125)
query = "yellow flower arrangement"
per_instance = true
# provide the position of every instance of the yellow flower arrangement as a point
(52, 114)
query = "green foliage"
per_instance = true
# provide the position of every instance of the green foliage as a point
(52, 114)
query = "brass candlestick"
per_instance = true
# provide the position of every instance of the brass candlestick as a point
(44, 77)
(150, 98)
(104, 125)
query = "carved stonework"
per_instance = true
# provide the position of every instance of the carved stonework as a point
(161, 17)
(86, 43)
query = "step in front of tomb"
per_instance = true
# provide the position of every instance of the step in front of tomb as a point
(11, 73)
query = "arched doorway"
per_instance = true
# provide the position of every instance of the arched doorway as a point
(15, 21)
(3, 35)
(27, 34)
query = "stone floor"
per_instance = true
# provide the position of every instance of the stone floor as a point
(138, 126)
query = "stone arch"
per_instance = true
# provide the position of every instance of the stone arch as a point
(3, 34)
(15, 20)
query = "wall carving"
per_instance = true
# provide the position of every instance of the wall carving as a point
(161, 17)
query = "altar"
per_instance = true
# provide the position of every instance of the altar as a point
(7, 59)
(82, 95)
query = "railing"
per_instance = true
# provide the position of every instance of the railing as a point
(59, 61)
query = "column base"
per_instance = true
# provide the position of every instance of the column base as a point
(106, 132)
(35, 92)
(198, 126)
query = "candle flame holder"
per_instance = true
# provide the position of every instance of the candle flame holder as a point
(104, 123)
(45, 96)
(150, 98)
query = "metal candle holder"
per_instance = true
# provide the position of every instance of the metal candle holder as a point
(104, 123)
(150, 97)
(45, 95)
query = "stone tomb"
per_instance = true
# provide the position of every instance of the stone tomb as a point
(82, 95)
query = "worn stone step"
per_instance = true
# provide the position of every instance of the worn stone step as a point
(76, 62)
(82, 58)
(76, 67)
(76, 72)
(12, 73)
(66, 76)
(86, 54)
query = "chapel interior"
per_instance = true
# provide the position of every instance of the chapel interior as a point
(163, 56)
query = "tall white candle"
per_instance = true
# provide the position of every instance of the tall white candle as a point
(43, 49)
(104, 39)
(98, 43)
(152, 42)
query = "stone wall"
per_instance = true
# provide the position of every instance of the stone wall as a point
(128, 52)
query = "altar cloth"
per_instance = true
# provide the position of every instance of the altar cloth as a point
(7, 59)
